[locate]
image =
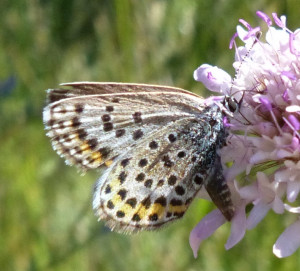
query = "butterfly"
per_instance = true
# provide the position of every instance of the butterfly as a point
(158, 146)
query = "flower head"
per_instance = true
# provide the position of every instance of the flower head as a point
(263, 146)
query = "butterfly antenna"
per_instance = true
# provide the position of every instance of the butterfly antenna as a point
(258, 35)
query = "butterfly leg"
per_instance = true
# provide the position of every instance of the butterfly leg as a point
(218, 190)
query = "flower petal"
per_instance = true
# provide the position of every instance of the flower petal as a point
(293, 108)
(288, 242)
(205, 228)
(257, 214)
(213, 78)
(291, 209)
(249, 192)
(293, 189)
(242, 33)
(278, 205)
(238, 227)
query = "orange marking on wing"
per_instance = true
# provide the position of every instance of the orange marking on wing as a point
(108, 163)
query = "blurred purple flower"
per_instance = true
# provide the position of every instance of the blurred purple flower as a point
(214, 78)
(263, 149)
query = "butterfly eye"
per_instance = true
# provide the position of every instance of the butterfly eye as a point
(231, 104)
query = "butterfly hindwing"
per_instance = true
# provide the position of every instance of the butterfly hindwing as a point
(155, 182)
(150, 184)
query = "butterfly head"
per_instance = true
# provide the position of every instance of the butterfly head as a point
(231, 105)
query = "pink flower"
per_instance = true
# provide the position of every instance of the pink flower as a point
(263, 145)
(205, 228)
(214, 78)
(288, 242)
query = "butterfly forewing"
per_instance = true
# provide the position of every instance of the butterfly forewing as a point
(90, 129)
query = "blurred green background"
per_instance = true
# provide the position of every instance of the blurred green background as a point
(46, 218)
